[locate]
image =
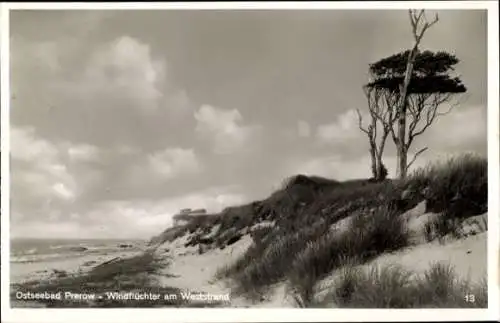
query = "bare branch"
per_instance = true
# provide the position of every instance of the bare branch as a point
(447, 111)
(436, 19)
(452, 105)
(432, 112)
(428, 25)
(391, 121)
(360, 123)
(415, 20)
(415, 157)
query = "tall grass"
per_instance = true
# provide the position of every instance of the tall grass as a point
(370, 234)
(458, 185)
(267, 263)
(456, 189)
(395, 287)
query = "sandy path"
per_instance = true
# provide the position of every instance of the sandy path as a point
(195, 273)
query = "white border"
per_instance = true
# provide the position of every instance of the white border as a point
(295, 5)
(493, 164)
(5, 148)
(268, 315)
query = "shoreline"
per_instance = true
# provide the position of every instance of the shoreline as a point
(52, 269)
(71, 264)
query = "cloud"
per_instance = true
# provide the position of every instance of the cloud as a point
(46, 57)
(148, 171)
(173, 162)
(135, 218)
(121, 73)
(26, 147)
(37, 167)
(83, 152)
(463, 128)
(45, 173)
(144, 218)
(125, 68)
(340, 167)
(63, 192)
(46, 230)
(461, 131)
(224, 128)
(98, 91)
(345, 128)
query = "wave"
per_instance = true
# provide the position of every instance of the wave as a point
(67, 250)
(36, 258)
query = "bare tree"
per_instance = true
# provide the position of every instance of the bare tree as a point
(402, 148)
(382, 118)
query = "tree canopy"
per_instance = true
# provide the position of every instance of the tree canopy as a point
(431, 73)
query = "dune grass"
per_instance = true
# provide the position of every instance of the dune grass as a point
(266, 264)
(456, 189)
(303, 249)
(308, 255)
(394, 287)
(458, 185)
(369, 235)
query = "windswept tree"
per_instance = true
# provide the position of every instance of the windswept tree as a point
(417, 85)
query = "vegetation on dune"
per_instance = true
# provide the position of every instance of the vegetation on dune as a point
(305, 248)
(459, 185)
(368, 236)
(395, 287)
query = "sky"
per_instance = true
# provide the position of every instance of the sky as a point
(121, 118)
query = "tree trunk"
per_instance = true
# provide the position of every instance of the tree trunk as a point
(401, 144)
(381, 174)
(373, 156)
(403, 162)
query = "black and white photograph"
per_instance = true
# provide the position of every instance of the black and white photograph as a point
(249, 158)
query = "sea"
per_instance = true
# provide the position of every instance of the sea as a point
(23, 250)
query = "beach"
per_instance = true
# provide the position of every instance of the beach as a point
(46, 260)
(36, 270)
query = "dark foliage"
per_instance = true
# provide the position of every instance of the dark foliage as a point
(431, 73)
